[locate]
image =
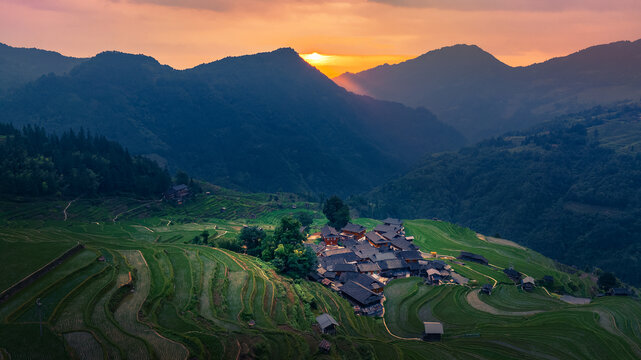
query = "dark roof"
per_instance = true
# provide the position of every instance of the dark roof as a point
(376, 238)
(403, 244)
(512, 274)
(342, 267)
(381, 256)
(355, 228)
(369, 282)
(392, 221)
(314, 276)
(620, 291)
(433, 327)
(328, 231)
(179, 187)
(349, 242)
(365, 250)
(327, 261)
(324, 345)
(437, 264)
(473, 257)
(360, 294)
(368, 266)
(325, 321)
(316, 248)
(410, 255)
(393, 265)
(329, 275)
(387, 229)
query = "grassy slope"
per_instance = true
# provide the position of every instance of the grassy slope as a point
(202, 297)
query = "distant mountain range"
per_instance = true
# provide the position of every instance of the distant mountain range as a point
(264, 122)
(570, 188)
(480, 96)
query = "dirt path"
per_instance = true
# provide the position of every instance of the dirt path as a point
(390, 332)
(474, 301)
(67, 207)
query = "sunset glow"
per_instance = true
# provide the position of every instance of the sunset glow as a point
(333, 35)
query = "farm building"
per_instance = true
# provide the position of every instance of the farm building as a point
(473, 257)
(528, 283)
(357, 231)
(619, 292)
(177, 192)
(487, 289)
(433, 331)
(512, 274)
(326, 323)
(325, 346)
(330, 235)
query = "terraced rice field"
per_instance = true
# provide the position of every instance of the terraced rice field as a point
(192, 301)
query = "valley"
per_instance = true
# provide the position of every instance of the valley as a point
(196, 301)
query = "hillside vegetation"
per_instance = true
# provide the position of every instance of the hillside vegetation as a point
(264, 122)
(570, 189)
(33, 163)
(193, 301)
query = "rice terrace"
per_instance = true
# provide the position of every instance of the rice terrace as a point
(137, 288)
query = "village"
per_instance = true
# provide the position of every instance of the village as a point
(357, 263)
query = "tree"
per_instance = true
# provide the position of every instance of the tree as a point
(285, 249)
(182, 178)
(336, 212)
(205, 236)
(251, 237)
(305, 218)
(607, 281)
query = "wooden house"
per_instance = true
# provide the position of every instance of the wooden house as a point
(376, 240)
(330, 235)
(433, 331)
(326, 323)
(473, 257)
(528, 284)
(357, 231)
(487, 289)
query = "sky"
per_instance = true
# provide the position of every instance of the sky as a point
(333, 35)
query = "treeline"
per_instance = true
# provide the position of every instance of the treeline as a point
(34, 163)
(569, 189)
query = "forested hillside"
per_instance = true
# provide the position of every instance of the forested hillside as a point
(18, 66)
(33, 163)
(264, 122)
(471, 90)
(570, 189)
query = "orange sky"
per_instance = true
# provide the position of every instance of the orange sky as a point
(353, 34)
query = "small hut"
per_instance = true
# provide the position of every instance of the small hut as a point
(326, 323)
(433, 331)
(487, 289)
(324, 346)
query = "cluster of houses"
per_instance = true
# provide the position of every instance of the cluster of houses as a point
(357, 263)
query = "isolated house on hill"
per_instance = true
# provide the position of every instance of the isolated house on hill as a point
(326, 323)
(528, 284)
(512, 274)
(177, 192)
(330, 235)
(487, 289)
(473, 257)
(433, 331)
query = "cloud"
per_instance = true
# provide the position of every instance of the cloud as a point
(230, 5)
(516, 5)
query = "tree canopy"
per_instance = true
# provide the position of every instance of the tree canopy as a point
(285, 249)
(337, 212)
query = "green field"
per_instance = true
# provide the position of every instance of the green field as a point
(192, 301)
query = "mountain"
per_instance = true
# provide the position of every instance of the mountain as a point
(570, 188)
(480, 96)
(18, 66)
(264, 122)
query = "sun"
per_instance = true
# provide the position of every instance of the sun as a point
(315, 58)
